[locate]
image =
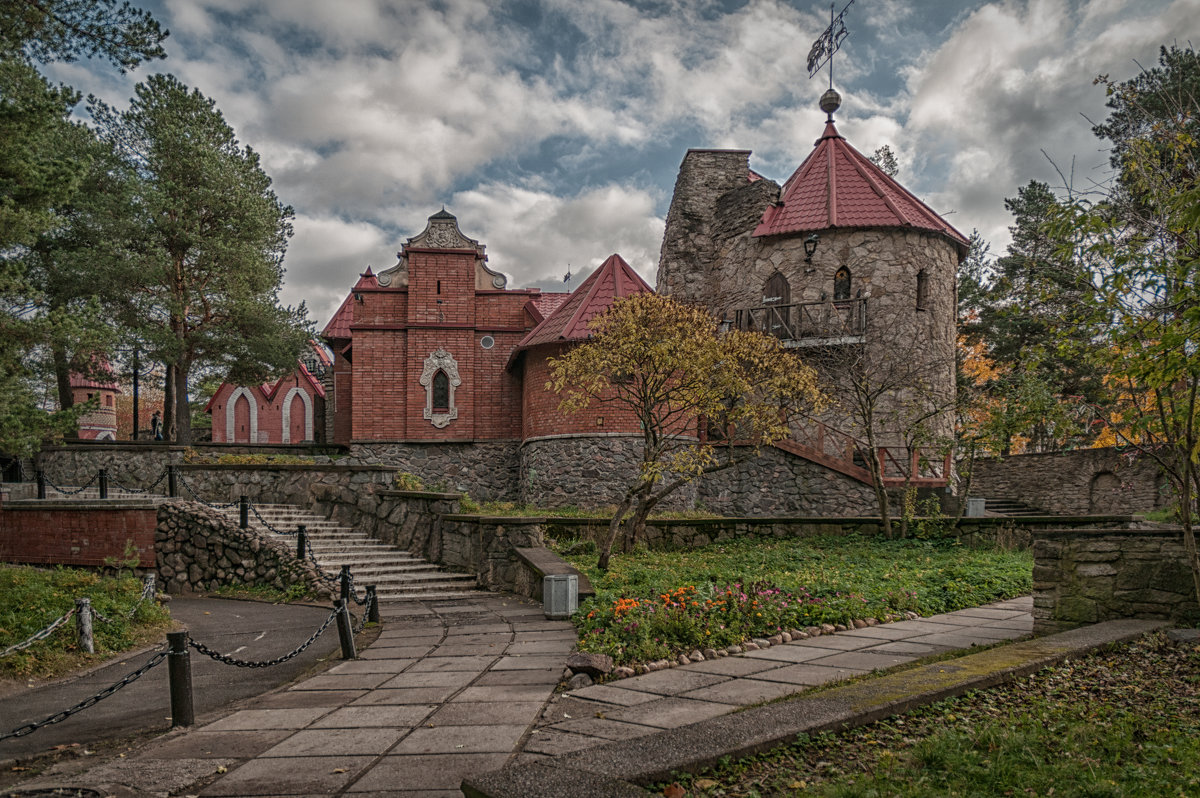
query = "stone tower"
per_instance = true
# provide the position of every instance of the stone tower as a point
(841, 262)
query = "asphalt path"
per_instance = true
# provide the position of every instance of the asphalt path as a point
(246, 630)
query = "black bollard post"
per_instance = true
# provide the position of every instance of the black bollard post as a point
(344, 579)
(345, 631)
(179, 670)
(41, 482)
(103, 480)
(372, 604)
(172, 482)
(244, 511)
(301, 542)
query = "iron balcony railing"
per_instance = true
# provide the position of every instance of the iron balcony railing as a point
(843, 319)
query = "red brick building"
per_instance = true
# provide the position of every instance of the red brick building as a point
(99, 424)
(291, 410)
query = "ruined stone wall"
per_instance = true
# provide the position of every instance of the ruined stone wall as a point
(1078, 482)
(778, 483)
(1087, 575)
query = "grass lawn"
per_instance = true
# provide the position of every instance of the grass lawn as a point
(32, 598)
(651, 605)
(1123, 722)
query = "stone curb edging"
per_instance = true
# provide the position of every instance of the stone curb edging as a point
(615, 769)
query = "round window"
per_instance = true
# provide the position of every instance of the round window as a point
(487, 342)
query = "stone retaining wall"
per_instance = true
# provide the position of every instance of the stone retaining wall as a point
(197, 548)
(1089, 575)
(779, 483)
(688, 534)
(487, 470)
(1079, 482)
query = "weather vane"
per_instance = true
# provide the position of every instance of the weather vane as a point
(828, 43)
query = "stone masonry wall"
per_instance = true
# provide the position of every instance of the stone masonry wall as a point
(1076, 482)
(778, 483)
(486, 470)
(199, 549)
(1087, 575)
(591, 471)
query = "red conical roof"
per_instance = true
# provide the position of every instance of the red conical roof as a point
(614, 279)
(837, 186)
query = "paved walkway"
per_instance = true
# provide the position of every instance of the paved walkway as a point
(676, 697)
(457, 689)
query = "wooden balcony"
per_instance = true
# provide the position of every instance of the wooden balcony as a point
(826, 323)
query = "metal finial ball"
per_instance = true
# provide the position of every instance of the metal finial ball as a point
(831, 101)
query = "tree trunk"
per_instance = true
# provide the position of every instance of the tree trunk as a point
(183, 411)
(1189, 535)
(168, 419)
(885, 518)
(62, 381)
(614, 527)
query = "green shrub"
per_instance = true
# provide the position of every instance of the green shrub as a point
(406, 481)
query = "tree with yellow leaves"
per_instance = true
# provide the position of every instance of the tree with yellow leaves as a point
(666, 365)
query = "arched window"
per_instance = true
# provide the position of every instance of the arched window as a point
(777, 290)
(922, 289)
(841, 284)
(441, 391)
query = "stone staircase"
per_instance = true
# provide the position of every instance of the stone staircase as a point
(1011, 507)
(396, 574)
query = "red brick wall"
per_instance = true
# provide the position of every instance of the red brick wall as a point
(540, 406)
(343, 398)
(78, 535)
(270, 412)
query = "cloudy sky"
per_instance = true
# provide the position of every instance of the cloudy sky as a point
(553, 129)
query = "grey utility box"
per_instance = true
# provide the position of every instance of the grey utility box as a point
(976, 507)
(560, 595)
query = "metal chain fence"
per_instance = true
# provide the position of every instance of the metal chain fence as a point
(69, 492)
(196, 496)
(40, 635)
(91, 701)
(149, 489)
(354, 591)
(264, 522)
(219, 657)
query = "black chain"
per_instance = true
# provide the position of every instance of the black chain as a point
(362, 622)
(219, 657)
(146, 588)
(354, 591)
(128, 489)
(321, 572)
(196, 496)
(59, 717)
(66, 492)
(263, 521)
(39, 635)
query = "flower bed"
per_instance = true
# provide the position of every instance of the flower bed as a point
(655, 605)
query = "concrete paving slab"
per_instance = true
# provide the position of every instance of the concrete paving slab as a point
(405, 695)
(908, 647)
(670, 682)
(733, 666)
(467, 739)
(555, 743)
(841, 642)
(493, 650)
(964, 638)
(529, 662)
(399, 716)
(886, 631)
(555, 634)
(479, 629)
(950, 619)
(549, 676)
(669, 713)
(430, 679)
(368, 739)
(477, 664)
(485, 713)
(293, 699)
(202, 743)
(864, 660)
(604, 728)
(614, 693)
(989, 613)
(808, 675)
(343, 681)
(560, 646)
(506, 692)
(248, 719)
(744, 692)
(914, 628)
(544, 779)
(782, 655)
(395, 652)
(484, 639)
(542, 626)
(389, 666)
(323, 775)
(996, 632)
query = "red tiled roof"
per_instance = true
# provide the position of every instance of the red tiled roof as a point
(543, 305)
(568, 322)
(837, 187)
(339, 325)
